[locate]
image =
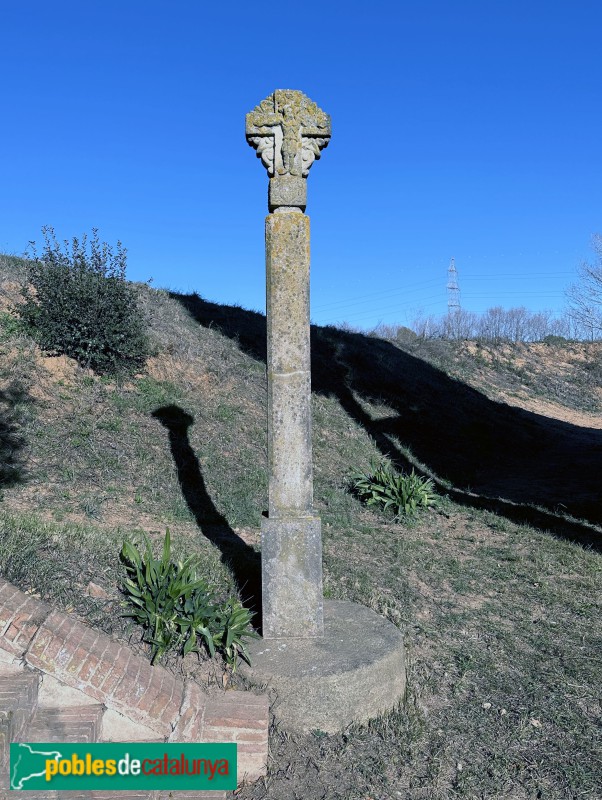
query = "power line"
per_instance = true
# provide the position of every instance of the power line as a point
(436, 300)
(396, 307)
(383, 292)
(519, 275)
(360, 299)
(513, 293)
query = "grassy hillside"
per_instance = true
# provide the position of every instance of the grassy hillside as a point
(497, 589)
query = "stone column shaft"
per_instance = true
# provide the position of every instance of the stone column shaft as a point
(291, 542)
(288, 363)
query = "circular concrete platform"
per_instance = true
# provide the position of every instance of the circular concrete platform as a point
(351, 674)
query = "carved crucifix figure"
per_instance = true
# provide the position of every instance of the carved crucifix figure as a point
(288, 131)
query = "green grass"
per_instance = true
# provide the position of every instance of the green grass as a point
(504, 665)
(573, 386)
(501, 621)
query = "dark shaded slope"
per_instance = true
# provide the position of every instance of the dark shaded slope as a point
(485, 449)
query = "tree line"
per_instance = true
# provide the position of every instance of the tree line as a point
(582, 319)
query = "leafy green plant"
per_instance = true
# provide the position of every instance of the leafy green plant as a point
(234, 624)
(399, 493)
(9, 326)
(78, 303)
(177, 609)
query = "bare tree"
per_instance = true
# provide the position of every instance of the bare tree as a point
(428, 327)
(491, 324)
(498, 324)
(585, 297)
(459, 324)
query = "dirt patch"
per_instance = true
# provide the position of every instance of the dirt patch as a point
(190, 372)
(567, 375)
(547, 408)
(10, 295)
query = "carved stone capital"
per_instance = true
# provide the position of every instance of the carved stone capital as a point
(288, 131)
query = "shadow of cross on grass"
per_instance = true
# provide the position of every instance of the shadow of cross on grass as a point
(483, 453)
(242, 559)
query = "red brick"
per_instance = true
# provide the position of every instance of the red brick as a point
(47, 643)
(14, 649)
(165, 694)
(18, 695)
(87, 641)
(24, 625)
(128, 677)
(157, 675)
(147, 701)
(19, 690)
(143, 683)
(176, 697)
(215, 733)
(189, 726)
(13, 600)
(88, 667)
(12, 603)
(60, 621)
(98, 657)
(77, 724)
(231, 721)
(112, 669)
(165, 712)
(246, 699)
(247, 749)
(40, 641)
(252, 764)
(125, 690)
(13, 629)
(20, 618)
(63, 646)
(71, 632)
(77, 661)
(172, 709)
(234, 706)
(134, 683)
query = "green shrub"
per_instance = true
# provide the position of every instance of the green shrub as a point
(178, 610)
(552, 339)
(79, 304)
(397, 493)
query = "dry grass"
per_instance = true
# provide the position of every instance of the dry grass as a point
(501, 619)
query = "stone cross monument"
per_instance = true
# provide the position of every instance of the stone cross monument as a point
(331, 662)
(288, 131)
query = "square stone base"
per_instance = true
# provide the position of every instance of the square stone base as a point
(287, 191)
(291, 574)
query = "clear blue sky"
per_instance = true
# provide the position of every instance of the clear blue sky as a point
(470, 129)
